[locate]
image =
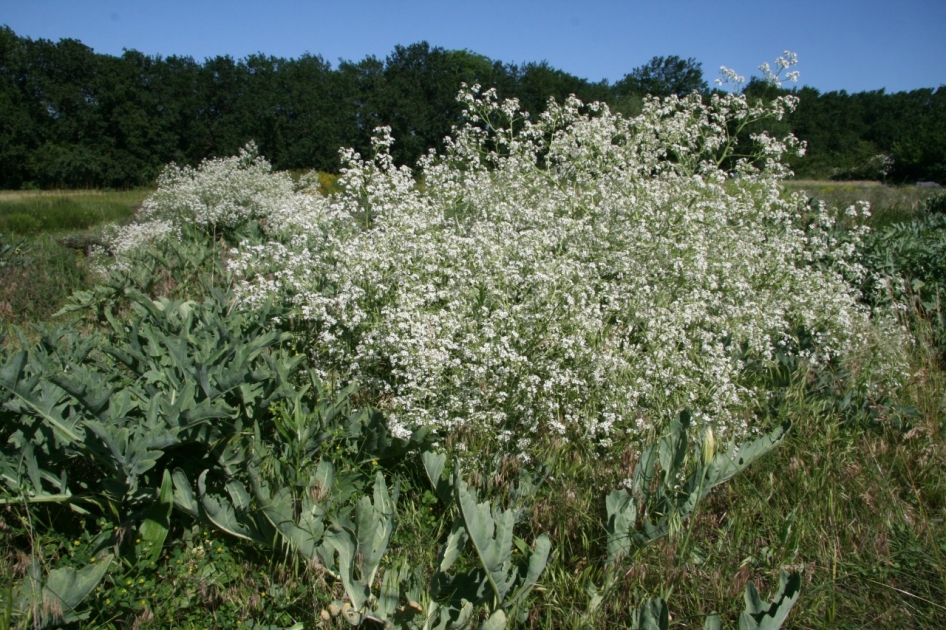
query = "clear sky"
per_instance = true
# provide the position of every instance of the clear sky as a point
(853, 45)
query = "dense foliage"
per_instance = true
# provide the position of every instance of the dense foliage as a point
(177, 413)
(407, 398)
(72, 118)
(908, 264)
(873, 135)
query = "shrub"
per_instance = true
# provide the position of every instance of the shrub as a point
(584, 274)
(907, 264)
(221, 195)
(328, 183)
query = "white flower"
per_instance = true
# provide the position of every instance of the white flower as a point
(581, 273)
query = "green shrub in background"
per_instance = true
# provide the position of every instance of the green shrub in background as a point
(907, 264)
(328, 183)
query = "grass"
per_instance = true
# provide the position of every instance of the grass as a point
(854, 500)
(855, 504)
(888, 203)
(32, 212)
(52, 230)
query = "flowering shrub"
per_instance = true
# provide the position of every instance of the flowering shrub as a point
(583, 273)
(221, 194)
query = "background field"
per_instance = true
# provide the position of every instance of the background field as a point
(31, 212)
(53, 230)
(887, 203)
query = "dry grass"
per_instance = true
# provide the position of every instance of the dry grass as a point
(26, 195)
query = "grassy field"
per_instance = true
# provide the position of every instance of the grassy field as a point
(888, 203)
(853, 501)
(53, 229)
(31, 212)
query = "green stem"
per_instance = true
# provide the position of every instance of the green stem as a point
(46, 498)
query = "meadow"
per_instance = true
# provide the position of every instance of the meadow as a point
(890, 204)
(57, 228)
(565, 383)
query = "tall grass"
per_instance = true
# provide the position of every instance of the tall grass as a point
(32, 212)
(853, 501)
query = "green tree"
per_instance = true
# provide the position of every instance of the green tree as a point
(20, 132)
(418, 99)
(536, 83)
(220, 85)
(315, 116)
(663, 76)
(59, 79)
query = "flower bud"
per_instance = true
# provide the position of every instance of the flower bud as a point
(709, 446)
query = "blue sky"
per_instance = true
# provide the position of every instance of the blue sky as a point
(842, 44)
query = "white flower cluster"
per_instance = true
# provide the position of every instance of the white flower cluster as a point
(584, 273)
(128, 238)
(787, 60)
(220, 193)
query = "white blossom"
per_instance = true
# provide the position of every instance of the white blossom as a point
(581, 274)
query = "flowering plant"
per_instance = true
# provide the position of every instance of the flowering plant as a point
(582, 273)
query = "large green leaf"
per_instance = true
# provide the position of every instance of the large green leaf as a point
(221, 512)
(157, 521)
(641, 516)
(760, 615)
(54, 600)
(375, 524)
(29, 394)
(305, 532)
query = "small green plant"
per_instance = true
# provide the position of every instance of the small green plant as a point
(12, 254)
(54, 598)
(758, 615)
(178, 381)
(498, 581)
(661, 499)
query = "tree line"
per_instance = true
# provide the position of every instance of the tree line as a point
(70, 117)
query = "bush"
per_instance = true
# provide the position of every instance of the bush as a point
(328, 183)
(907, 265)
(585, 275)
